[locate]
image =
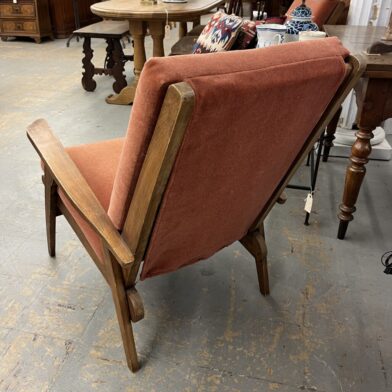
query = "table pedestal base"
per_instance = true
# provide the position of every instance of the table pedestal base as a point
(125, 97)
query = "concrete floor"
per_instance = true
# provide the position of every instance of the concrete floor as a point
(325, 327)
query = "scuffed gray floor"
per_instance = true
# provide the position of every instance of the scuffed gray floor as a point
(326, 326)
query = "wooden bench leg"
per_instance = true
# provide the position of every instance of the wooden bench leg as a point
(88, 82)
(118, 67)
(255, 244)
(109, 61)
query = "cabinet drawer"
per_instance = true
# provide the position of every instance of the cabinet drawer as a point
(17, 10)
(15, 26)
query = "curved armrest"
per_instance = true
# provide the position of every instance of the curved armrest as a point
(68, 177)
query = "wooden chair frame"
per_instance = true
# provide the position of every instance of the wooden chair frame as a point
(124, 252)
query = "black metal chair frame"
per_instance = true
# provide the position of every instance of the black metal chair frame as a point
(313, 161)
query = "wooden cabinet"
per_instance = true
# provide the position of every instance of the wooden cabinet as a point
(25, 18)
(63, 17)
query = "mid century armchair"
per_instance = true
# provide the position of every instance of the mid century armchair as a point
(195, 172)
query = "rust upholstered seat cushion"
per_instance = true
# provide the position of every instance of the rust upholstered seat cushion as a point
(97, 163)
(321, 9)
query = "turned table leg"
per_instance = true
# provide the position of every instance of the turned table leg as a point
(138, 32)
(157, 30)
(127, 94)
(374, 101)
(354, 176)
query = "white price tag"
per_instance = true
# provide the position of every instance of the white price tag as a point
(167, 31)
(167, 25)
(308, 203)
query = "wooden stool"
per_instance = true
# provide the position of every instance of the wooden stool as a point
(112, 31)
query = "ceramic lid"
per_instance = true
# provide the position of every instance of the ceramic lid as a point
(302, 11)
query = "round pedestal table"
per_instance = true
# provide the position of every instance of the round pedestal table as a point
(154, 16)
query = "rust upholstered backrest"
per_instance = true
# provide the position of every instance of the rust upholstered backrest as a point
(159, 73)
(254, 111)
(321, 9)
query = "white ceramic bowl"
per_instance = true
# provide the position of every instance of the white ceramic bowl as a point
(308, 35)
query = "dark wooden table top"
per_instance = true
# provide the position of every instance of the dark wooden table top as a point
(357, 39)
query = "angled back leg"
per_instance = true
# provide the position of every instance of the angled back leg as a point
(254, 242)
(50, 210)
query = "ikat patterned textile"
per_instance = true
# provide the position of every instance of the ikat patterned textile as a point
(247, 36)
(219, 34)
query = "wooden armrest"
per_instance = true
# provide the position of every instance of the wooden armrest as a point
(68, 177)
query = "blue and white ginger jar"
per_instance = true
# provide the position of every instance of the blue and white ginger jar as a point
(301, 20)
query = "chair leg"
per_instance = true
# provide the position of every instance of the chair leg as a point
(182, 29)
(330, 134)
(123, 313)
(50, 212)
(196, 22)
(255, 244)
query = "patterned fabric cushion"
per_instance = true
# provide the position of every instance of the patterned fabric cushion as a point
(247, 36)
(219, 34)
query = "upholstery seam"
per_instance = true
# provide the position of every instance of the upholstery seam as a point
(263, 69)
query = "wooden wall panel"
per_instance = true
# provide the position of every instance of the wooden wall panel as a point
(343, 19)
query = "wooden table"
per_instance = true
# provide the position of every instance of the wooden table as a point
(154, 16)
(374, 101)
